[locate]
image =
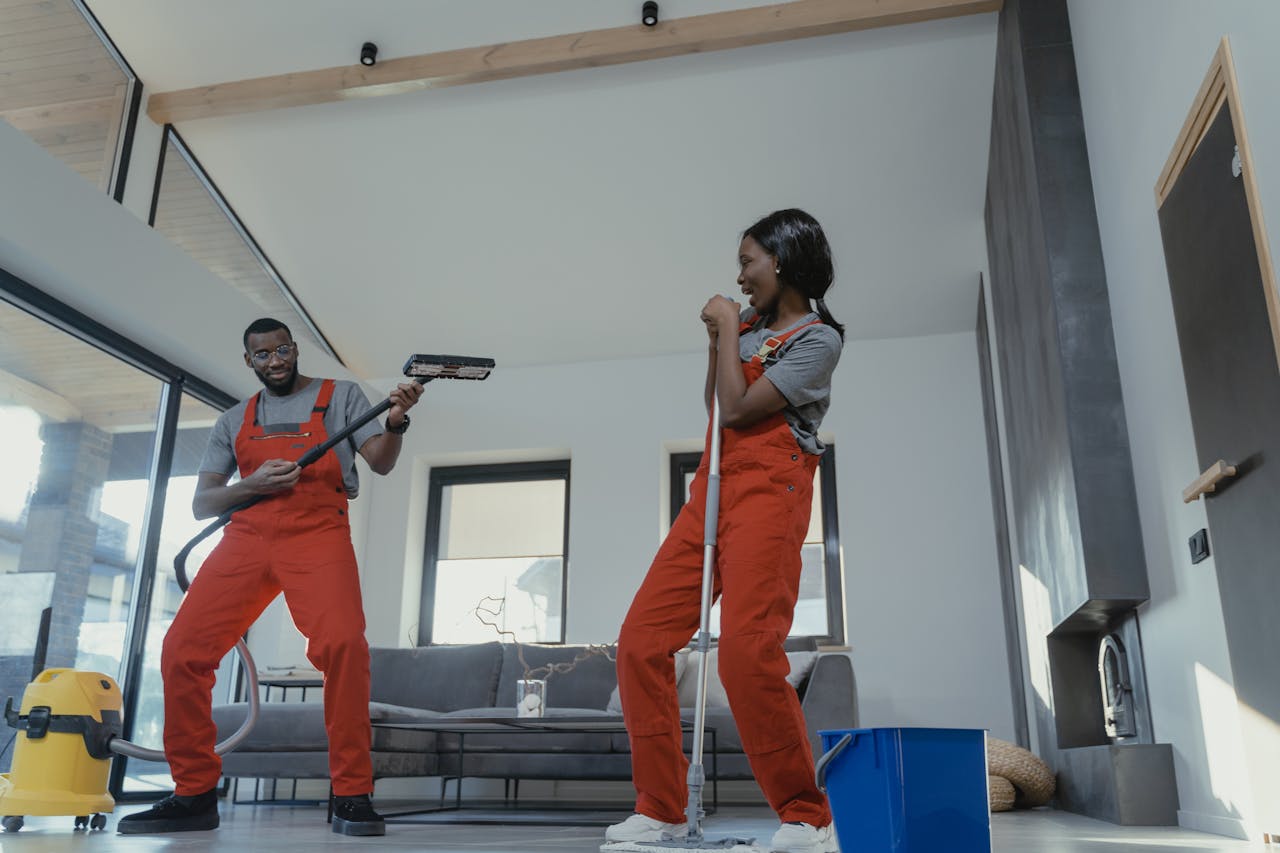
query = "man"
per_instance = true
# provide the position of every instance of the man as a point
(296, 541)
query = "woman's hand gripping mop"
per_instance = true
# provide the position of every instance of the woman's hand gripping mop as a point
(697, 778)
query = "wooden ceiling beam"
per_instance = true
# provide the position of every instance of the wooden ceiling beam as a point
(697, 34)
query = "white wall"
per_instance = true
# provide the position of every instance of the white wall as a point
(923, 597)
(922, 590)
(1140, 64)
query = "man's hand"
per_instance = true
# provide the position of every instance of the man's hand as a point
(403, 398)
(720, 313)
(274, 475)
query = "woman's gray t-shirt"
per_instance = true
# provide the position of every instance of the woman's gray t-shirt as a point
(286, 414)
(801, 370)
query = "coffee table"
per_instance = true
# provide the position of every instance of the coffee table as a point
(464, 726)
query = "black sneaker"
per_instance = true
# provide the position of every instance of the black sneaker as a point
(355, 816)
(174, 814)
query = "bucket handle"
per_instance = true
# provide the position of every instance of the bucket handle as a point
(820, 769)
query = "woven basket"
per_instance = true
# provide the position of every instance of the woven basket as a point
(1001, 793)
(1031, 778)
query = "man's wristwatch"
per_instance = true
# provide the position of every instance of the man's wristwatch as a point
(400, 430)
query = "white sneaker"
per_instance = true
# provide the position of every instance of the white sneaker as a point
(804, 838)
(638, 827)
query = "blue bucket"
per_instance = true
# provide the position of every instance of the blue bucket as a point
(907, 790)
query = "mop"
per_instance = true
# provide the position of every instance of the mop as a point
(693, 839)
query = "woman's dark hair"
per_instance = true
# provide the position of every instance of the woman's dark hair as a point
(795, 238)
(262, 326)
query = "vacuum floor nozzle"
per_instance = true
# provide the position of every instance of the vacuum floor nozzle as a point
(448, 367)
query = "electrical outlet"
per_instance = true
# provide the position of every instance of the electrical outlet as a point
(1199, 544)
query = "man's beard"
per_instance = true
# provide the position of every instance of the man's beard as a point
(282, 387)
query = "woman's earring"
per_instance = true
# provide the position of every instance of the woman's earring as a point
(777, 271)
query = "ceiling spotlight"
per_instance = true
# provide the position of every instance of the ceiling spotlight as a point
(649, 13)
(368, 53)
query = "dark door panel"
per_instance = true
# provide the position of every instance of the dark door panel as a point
(1233, 387)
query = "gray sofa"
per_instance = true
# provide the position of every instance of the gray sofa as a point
(440, 682)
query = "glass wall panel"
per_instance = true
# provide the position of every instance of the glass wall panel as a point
(72, 419)
(177, 527)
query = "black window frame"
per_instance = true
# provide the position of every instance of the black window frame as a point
(502, 472)
(133, 106)
(683, 464)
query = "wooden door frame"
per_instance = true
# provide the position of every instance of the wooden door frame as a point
(1220, 87)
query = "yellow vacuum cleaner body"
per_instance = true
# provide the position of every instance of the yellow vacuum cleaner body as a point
(62, 753)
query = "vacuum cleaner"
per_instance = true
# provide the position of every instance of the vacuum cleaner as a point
(696, 778)
(70, 723)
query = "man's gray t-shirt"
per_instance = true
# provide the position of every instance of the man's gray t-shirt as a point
(801, 371)
(286, 414)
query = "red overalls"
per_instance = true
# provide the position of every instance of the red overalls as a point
(766, 493)
(297, 542)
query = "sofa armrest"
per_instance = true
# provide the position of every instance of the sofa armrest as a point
(831, 697)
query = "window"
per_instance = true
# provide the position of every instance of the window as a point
(820, 606)
(95, 432)
(63, 83)
(497, 548)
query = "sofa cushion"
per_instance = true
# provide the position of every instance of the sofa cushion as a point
(315, 765)
(401, 740)
(528, 740)
(438, 678)
(281, 726)
(299, 727)
(801, 663)
(587, 685)
(681, 659)
(687, 686)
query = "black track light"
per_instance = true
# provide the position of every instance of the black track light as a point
(649, 13)
(368, 53)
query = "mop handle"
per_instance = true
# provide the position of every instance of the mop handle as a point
(697, 775)
(711, 522)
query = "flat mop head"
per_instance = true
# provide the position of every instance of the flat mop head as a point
(427, 367)
(680, 843)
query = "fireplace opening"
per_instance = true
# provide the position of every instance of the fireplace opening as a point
(1118, 716)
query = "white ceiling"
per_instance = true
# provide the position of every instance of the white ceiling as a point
(585, 215)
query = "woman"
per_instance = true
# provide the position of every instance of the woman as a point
(770, 368)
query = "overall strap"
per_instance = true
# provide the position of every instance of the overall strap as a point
(323, 399)
(771, 344)
(251, 411)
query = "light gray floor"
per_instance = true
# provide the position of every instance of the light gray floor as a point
(247, 828)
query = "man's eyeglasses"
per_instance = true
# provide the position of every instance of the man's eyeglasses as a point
(262, 356)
